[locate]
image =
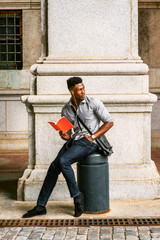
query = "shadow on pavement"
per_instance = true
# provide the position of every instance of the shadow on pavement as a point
(9, 189)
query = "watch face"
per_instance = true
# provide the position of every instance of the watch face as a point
(93, 136)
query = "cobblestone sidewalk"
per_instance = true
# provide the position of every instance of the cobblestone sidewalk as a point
(81, 233)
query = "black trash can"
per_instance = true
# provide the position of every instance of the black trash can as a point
(93, 182)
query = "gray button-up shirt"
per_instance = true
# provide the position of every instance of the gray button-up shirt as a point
(91, 110)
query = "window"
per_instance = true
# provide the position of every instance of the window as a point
(10, 40)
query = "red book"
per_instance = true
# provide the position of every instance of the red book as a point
(62, 125)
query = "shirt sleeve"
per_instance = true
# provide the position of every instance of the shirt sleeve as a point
(63, 114)
(101, 111)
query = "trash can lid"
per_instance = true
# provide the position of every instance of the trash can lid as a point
(94, 159)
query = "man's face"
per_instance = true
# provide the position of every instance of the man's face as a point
(79, 91)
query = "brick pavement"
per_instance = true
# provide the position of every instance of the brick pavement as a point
(81, 233)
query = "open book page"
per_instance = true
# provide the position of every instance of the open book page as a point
(62, 125)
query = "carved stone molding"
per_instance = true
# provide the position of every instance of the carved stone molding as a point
(149, 4)
(20, 4)
(36, 4)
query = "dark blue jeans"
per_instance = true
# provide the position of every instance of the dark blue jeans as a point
(71, 152)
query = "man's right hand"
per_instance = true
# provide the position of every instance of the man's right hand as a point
(64, 135)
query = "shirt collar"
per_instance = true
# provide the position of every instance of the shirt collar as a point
(82, 102)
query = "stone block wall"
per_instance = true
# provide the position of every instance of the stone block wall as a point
(15, 83)
(13, 121)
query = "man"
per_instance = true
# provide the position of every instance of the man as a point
(78, 145)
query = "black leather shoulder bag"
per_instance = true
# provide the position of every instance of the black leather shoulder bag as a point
(104, 146)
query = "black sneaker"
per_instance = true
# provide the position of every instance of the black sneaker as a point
(38, 210)
(79, 205)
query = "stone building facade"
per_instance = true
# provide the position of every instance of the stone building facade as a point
(113, 72)
(15, 82)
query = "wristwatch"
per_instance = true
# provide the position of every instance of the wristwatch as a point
(93, 137)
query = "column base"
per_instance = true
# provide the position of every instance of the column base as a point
(130, 182)
(123, 88)
(134, 182)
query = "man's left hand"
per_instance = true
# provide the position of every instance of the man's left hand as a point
(88, 137)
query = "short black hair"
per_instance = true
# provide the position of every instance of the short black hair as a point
(71, 82)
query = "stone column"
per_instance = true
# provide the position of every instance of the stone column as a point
(98, 41)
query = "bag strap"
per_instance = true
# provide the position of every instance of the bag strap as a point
(80, 120)
(98, 141)
(84, 125)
